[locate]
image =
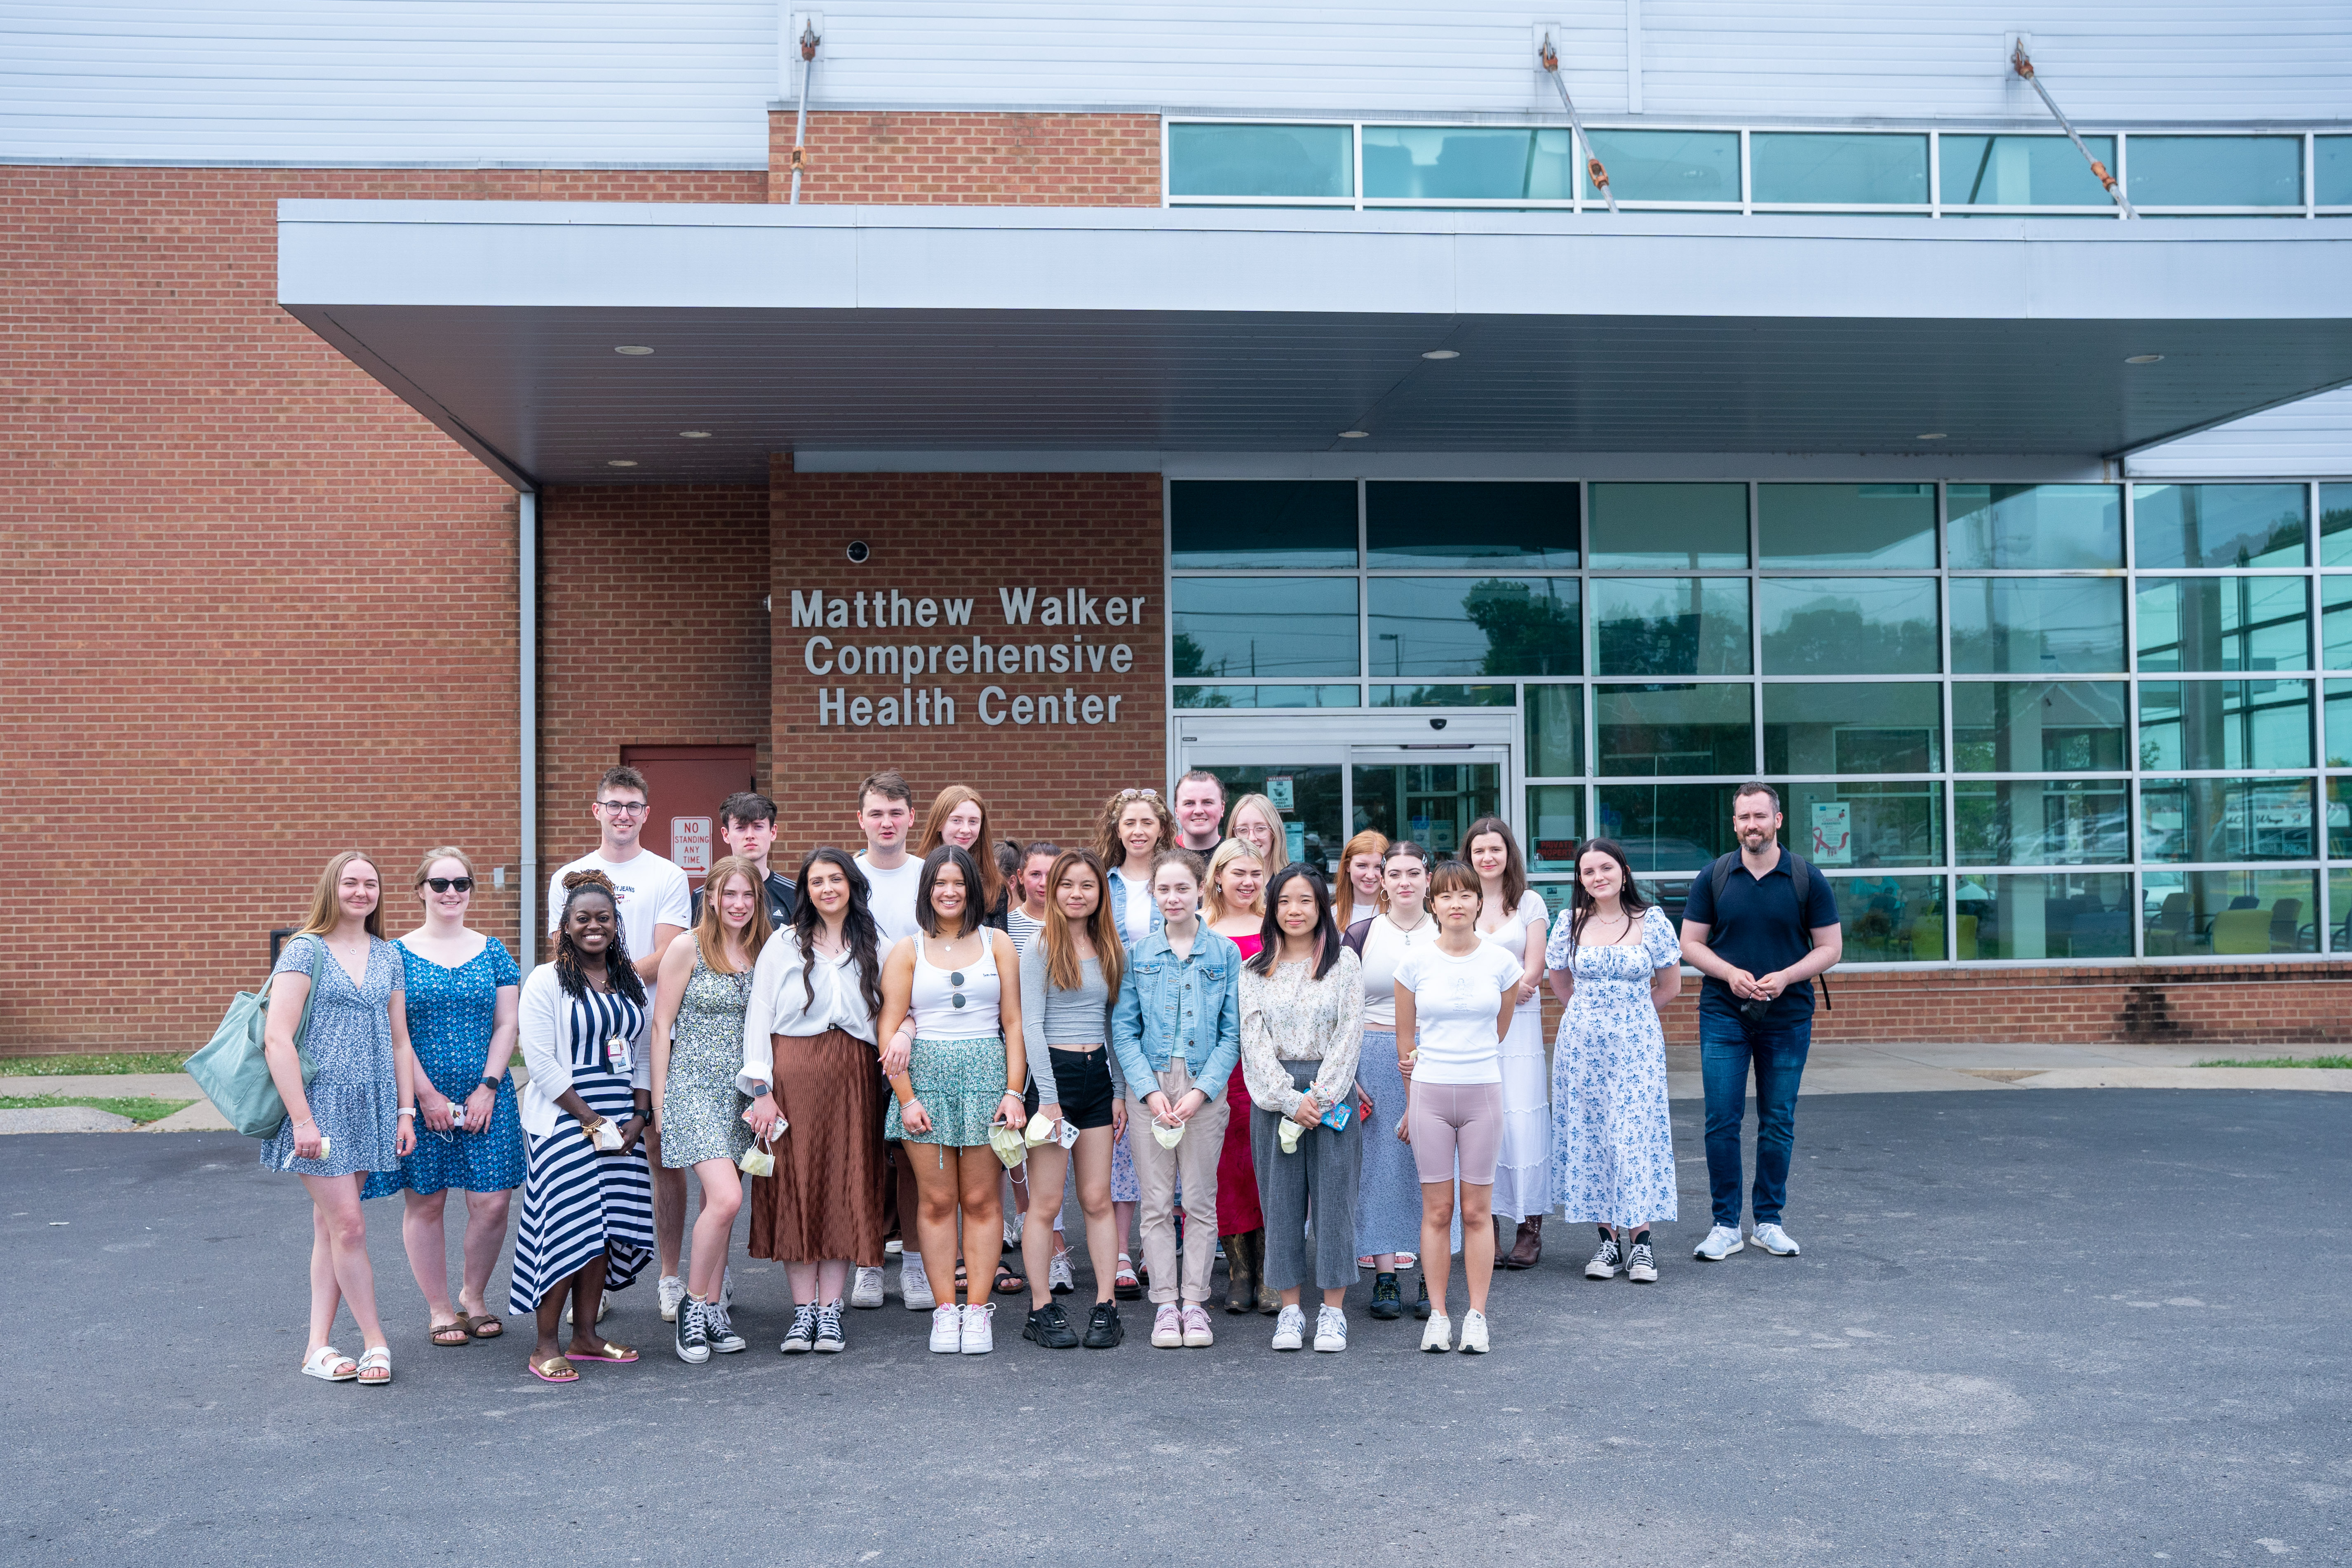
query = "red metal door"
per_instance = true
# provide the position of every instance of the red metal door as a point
(684, 785)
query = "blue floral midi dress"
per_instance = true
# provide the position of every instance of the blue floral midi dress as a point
(1613, 1147)
(451, 1014)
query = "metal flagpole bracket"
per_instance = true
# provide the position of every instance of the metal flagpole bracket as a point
(1549, 55)
(2019, 62)
(809, 40)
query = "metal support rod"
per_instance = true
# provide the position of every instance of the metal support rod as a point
(526, 941)
(2023, 66)
(1551, 57)
(809, 41)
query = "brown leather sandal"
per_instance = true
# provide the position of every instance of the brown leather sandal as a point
(482, 1325)
(439, 1333)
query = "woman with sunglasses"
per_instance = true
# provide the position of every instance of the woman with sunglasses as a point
(958, 817)
(463, 990)
(957, 1081)
(1232, 905)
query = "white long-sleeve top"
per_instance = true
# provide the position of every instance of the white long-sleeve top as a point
(780, 1003)
(1288, 1017)
(544, 1033)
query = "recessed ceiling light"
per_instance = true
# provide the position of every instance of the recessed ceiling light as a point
(2142, 359)
(1931, 435)
(620, 462)
(696, 435)
(1354, 435)
(633, 350)
(1443, 353)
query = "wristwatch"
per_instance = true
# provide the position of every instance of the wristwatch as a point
(491, 1084)
(758, 1089)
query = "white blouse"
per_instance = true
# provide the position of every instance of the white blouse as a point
(544, 1033)
(780, 1003)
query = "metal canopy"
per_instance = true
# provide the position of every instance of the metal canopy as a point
(1139, 337)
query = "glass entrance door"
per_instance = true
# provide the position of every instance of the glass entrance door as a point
(1427, 795)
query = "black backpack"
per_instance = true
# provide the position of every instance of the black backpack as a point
(1802, 871)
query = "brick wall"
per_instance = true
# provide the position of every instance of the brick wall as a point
(928, 158)
(960, 536)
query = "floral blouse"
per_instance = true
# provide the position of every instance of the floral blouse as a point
(1287, 1017)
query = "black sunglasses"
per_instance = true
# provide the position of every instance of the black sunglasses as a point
(443, 884)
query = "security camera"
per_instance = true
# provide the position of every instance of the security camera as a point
(1437, 723)
(858, 552)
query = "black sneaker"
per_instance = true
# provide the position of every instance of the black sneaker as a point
(1421, 1300)
(1605, 1261)
(1049, 1326)
(693, 1338)
(1103, 1330)
(1642, 1264)
(1387, 1300)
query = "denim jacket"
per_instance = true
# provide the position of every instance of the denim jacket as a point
(1117, 893)
(1163, 999)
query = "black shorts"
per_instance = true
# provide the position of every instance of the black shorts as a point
(1083, 1079)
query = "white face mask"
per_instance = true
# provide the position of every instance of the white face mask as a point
(1168, 1137)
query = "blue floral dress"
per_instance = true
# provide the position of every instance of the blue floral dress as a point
(1612, 1148)
(355, 1099)
(451, 1013)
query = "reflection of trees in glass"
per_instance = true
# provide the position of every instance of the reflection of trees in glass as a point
(1674, 642)
(1835, 636)
(1526, 635)
(1190, 660)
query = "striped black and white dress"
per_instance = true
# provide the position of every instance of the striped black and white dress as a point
(579, 1205)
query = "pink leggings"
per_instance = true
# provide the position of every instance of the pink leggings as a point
(1451, 1119)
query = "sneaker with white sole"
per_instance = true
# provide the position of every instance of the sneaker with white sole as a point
(947, 1330)
(1438, 1334)
(892, 1247)
(867, 1292)
(828, 1329)
(801, 1338)
(603, 1309)
(914, 1285)
(1774, 1240)
(1198, 1335)
(1473, 1333)
(1290, 1330)
(1058, 1278)
(724, 1339)
(1720, 1243)
(673, 1291)
(1168, 1327)
(1330, 1329)
(979, 1329)
(1641, 1265)
(1604, 1260)
(727, 1289)
(693, 1341)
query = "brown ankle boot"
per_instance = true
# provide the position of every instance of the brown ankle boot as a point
(1527, 1246)
(1241, 1274)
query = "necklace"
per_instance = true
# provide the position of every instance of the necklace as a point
(1408, 931)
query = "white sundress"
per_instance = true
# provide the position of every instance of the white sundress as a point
(1613, 1146)
(1523, 1182)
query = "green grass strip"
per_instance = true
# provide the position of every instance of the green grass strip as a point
(2281, 1062)
(139, 1108)
(76, 1066)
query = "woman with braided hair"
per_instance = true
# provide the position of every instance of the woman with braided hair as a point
(587, 1204)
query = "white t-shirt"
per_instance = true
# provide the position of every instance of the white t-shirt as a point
(891, 897)
(1384, 949)
(1456, 1002)
(651, 893)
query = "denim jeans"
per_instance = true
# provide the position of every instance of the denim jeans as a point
(1727, 1048)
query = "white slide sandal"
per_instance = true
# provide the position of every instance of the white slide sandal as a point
(376, 1358)
(330, 1366)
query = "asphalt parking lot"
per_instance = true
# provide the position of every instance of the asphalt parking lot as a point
(2070, 1326)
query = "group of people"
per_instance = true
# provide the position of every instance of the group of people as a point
(931, 1039)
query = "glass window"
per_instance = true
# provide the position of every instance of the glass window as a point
(2218, 724)
(2336, 521)
(2336, 622)
(2339, 723)
(1256, 524)
(2216, 172)
(1267, 696)
(2023, 171)
(1668, 165)
(1261, 161)
(1852, 821)
(1556, 816)
(1891, 920)
(1685, 526)
(1848, 728)
(1673, 731)
(2339, 819)
(1860, 528)
(2217, 525)
(2035, 528)
(2226, 819)
(2339, 928)
(1252, 628)
(2042, 822)
(2194, 912)
(2331, 173)
(1671, 625)
(1556, 732)
(2037, 726)
(1467, 163)
(1848, 170)
(1666, 827)
(2074, 916)
(1452, 626)
(1443, 696)
(1850, 625)
(2058, 625)
(1429, 525)
(2221, 623)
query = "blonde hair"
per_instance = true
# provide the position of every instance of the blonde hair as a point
(1064, 969)
(327, 910)
(1278, 854)
(710, 930)
(1108, 847)
(935, 833)
(1213, 891)
(446, 852)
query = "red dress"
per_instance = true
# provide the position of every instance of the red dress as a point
(1237, 1207)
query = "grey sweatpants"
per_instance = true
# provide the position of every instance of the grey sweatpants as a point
(1318, 1179)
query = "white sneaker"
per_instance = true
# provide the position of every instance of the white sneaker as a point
(1198, 1335)
(1774, 1240)
(1330, 1329)
(727, 1287)
(1013, 1220)
(979, 1329)
(892, 1247)
(1473, 1333)
(1720, 1243)
(915, 1285)
(673, 1291)
(947, 1330)
(1168, 1327)
(1058, 1278)
(1439, 1335)
(867, 1291)
(603, 1308)
(1290, 1330)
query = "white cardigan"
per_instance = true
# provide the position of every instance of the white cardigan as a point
(780, 1004)
(545, 1035)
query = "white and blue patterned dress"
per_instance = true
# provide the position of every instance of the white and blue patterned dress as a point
(1613, 1147)
(577, 1205)
(355, 1099)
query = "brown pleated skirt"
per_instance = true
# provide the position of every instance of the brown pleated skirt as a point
(826, 1198)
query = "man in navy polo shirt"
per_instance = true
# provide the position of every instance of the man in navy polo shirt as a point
(1773, 926)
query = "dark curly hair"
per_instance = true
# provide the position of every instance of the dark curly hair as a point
(619, 972)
